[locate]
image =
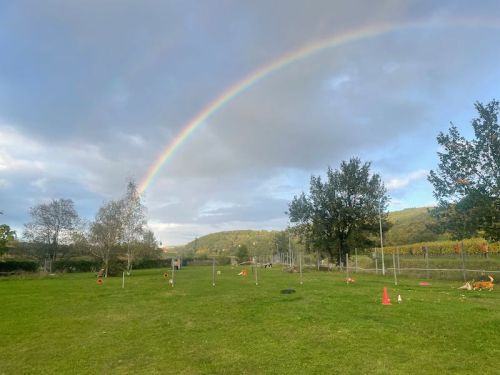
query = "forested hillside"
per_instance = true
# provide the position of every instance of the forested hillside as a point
(409, 226)
(226, 243)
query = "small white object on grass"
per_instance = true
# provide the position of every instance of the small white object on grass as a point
(171, 281)
(399, 298)
(218, 272)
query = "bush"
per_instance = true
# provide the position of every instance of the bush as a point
(116, 267)
(10, 266)
(224, 260)
(77, 265)
(152, 263)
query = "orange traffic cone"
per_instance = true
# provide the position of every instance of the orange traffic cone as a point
(244, 272)
(386, 301)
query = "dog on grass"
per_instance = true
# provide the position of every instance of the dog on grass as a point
(466, 286)
(483, 284)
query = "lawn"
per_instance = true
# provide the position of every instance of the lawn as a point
(69, 324)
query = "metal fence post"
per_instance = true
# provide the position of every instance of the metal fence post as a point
(213, 271)
(463, 262)
(356, 259)
(427, 260)
(347, 266)
(399, 266)
(173, 271)
(394, 268)
(300, 266)
(256, 278)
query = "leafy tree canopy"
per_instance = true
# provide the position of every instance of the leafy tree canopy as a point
(7, 238)
(467, 181)
(342, 212)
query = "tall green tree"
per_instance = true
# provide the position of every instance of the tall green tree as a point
(7, 238)
(342, 212)
(467, 180)
(242, 253)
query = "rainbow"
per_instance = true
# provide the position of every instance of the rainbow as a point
(284, 61)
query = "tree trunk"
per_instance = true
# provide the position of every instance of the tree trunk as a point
(129, 260)
(106, 269)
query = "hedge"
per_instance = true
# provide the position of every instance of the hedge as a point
(152, 263)
(10, 266)
(77, 265)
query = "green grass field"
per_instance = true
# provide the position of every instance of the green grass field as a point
(69, 324)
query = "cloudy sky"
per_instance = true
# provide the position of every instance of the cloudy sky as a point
(93, 91)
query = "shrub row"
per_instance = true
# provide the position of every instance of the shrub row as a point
(10, 266)
(77, 265)
(152, 263)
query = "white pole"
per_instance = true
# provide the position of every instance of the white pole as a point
(173, 271)
(381, 239)
(123, 283)
(347, 266)
(300, 265)
(213, 271)
(399, 265)
(256, 279)
(394, 268)
(289, 245)
(356, 260)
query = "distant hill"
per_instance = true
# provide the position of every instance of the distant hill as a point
(409, 226)
(258, 242)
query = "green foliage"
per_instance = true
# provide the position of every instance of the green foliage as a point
(7, 238)
(224, 260)
(341, 213)
(258, 242)
(9, 266)
(467, 181)
(115, 267)
(77, 265)
(411, 225)
(152, 263)
(242, 253)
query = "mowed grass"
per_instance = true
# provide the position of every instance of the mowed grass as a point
(69, 324)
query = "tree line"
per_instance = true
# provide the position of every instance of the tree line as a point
(56, 232)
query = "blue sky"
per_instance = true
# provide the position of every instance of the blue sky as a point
(92, 92)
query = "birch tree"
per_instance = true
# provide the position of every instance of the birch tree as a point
(107, 231)
(134, 223)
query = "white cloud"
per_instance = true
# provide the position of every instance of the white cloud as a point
(336, 82)
(403, 181)
(19, 153)
(4, 184)
(40, 183)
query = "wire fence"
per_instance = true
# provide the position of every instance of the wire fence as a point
(460, 266)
